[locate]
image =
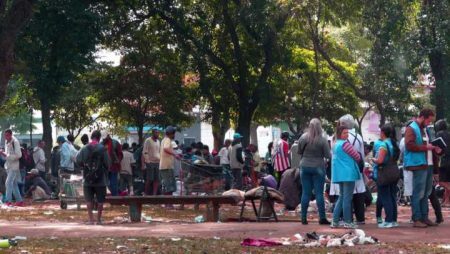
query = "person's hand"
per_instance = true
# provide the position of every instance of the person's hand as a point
(430, 147)
(437, 149)
(178, 156)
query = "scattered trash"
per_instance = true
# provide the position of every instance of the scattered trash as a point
(444, 246)
(121, 220)
(53, 238)
(312, 240)
(121, 247)
(48, 213)
(216, 238)
(175, 239)
(199, 219)
(259, 242)
(19, 238)
(147, 219)
(6, 243)
(132, 240)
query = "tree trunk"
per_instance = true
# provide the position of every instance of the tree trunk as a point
(253, 134)
(220, 122)
(140, 130)
(243, 124)
(16, 17)
(440, 97)
(47, 130)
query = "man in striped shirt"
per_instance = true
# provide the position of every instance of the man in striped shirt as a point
(281, 156)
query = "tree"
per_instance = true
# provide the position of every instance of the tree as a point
(15, 111)
(57, 46)
(14, 14)
(239, 38)
(145, 89)
(434, 25)
(77, 110)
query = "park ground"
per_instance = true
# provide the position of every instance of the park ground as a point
(49, 229)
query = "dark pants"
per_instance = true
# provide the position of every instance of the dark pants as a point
(436, 205)
(312, 178)
(387, 195)
(227, 175)
(114, 183)
(237, 178)
(359, 206)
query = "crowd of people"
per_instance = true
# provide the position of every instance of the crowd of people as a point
(314, 166)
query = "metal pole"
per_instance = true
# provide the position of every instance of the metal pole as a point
(31, 127)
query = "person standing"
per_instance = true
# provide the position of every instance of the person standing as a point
(386, 149)
(417, 157)
(441, 130)
(12, 166)
(94, 158)
(116, 155)
(360, 186)
(225, 163)
(151, 153)
(39, 158)
(281, 156)
(295, 156)
(236, 161)
(126, 170)
(166, 171)
(313, 150)
(344, 172)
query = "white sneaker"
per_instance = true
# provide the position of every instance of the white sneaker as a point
(386, 225)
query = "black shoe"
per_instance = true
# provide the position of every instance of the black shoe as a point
(439, 220)
(304, 221)
(324, 222)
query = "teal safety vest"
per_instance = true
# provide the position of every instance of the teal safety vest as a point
(413, 159)
(343, 167)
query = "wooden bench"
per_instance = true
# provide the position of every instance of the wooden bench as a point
(135, 203)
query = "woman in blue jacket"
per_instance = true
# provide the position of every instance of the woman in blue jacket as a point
(386, 148)
(344, 171)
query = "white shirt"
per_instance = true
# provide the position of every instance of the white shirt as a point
(224, 158)
(125, 164)
(429, 152)
(39, 158)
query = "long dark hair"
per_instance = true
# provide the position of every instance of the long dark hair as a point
(389, 132)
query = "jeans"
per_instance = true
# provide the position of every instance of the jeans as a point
(359, 206)
(237, 178)
(344, 202)
(422, 185)
(436, 205)
(312, 178)
(227, 175)
(113, 183)
(12, 186)
(387, 195)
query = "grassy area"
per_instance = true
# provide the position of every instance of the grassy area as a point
(191, 245)
(117, 213)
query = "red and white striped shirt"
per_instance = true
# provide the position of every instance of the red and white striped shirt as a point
(281, 156)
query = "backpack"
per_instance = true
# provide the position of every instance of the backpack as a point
(94, 167)
(26, 161)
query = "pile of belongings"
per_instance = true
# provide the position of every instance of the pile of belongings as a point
(311, 240)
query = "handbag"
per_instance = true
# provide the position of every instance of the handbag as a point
(388, 173)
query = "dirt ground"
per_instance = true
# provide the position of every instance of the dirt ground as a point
(43, 223)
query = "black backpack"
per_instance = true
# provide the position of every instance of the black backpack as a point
(95, 166)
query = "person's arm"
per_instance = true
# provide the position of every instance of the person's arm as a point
(17, 154)
(348, 149)
(382, 152)
(410, 142)
(239, 155)
(167, 148)
(326, 150)
(42, 158)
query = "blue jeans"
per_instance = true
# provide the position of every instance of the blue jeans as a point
(344, 202)
(226, 170)
(113, 183)
(12, 186)
(387, 194)
(312, 178)
(422, 185)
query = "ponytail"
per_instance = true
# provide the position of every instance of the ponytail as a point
(390, 133)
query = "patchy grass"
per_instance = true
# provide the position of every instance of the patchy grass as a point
(50, 211)
(194, 245)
